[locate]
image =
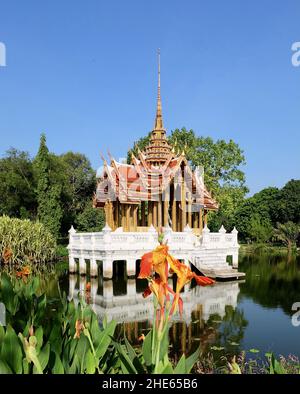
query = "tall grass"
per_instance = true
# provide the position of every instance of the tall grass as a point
(25, 241)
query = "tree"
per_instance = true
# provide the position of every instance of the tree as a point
(287, 233)
(290, 202)
(48, 194)
(17, 185)
(90, 219)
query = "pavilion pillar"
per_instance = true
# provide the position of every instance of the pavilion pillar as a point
(183, 206)
(143, 214)
(123, 217)
(159, 212)
(166, 209)
(127, 226)
(174, 216)
(205, 217)
(135, 217)
(190, 210)
(196, 220)
(201, 220)
(154, 213)
(117, 213)
(150, 213)
(108, 208)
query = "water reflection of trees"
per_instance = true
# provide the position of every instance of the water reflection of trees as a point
(272, 280)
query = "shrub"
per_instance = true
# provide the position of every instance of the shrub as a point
(25, 241)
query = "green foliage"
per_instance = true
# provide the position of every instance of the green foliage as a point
(90, 219)
(17, 185)
(48, 194)
(24, 240)
(53, 188)
(256, 217)
(287, 233)
(36, 341)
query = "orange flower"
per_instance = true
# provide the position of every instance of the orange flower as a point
(141, 337)
(159, 289)
(159, 261)
(26, 271)
(184, 276)
(88, 287)
(155, 261)
(7, 254)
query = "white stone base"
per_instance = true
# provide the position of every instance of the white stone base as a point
(208, 253)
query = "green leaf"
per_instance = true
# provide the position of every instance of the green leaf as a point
(39, 336)
(126, 364)
(134, 357)
(105, 339)
(166, 369)
(147, 348)
(4, 368)
(254, 350)
(180, 367)
(11, 351)
(191, 360)
(43, 356)
(58, 366)
(90, 362)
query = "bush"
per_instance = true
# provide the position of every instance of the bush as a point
(25, 241)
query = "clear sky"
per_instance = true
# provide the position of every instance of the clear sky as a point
(85, 73)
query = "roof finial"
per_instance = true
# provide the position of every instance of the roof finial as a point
(158, 118)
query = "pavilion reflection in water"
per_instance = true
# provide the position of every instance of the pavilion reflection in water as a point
(123, 302)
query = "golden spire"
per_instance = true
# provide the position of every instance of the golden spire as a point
(158, 118)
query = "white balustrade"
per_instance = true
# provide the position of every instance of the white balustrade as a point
(108, 246)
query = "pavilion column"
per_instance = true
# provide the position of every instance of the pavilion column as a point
(117, 213)
(159, 212)
(183, 206)
(190, 210)
(135, 217)
(150, 213)
(127, 226)
(154, 213)
(166, 208)
(201, 220)
(205, 217)
(109, 214)
(123, 217)
(196, 220)
(143, 214)
(174, 216)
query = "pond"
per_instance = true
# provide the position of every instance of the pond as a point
(253, 314)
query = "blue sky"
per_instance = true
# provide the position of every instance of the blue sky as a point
(85, 73)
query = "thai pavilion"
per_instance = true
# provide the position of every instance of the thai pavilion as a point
(158, 188)
(157, 192)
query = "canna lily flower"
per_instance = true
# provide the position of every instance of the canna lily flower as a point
(160, 289)
(26, 271)
(155, 261)
(184, 276)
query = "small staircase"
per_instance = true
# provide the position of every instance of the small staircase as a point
(216, 267)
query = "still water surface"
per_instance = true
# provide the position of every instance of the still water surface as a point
(223, 319)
